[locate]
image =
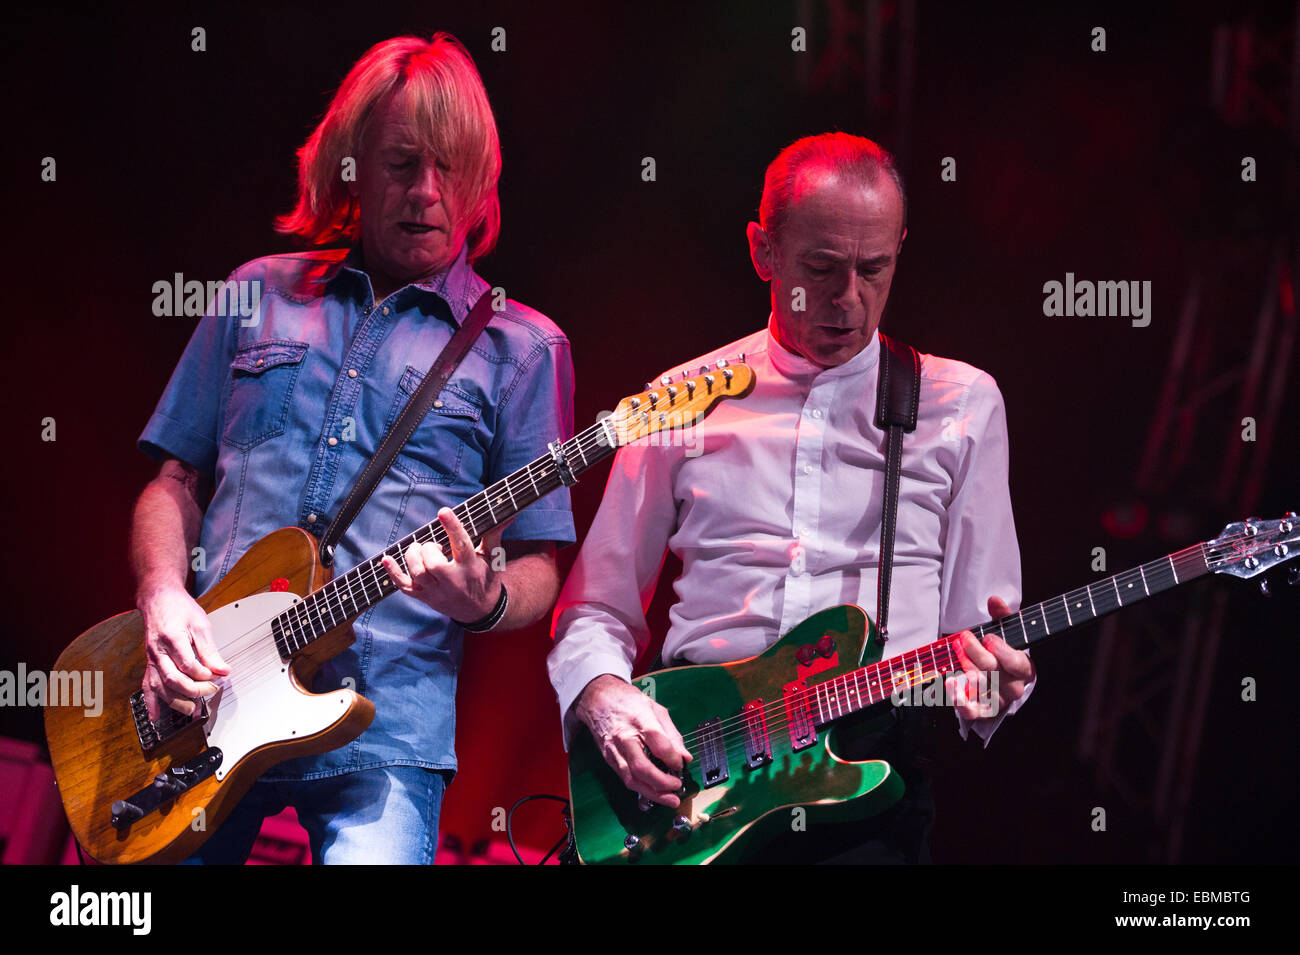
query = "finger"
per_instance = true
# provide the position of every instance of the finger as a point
(433, 558)
(416, 566)
(462, 548)
(395, 571)
(998, 608)
(1015, 664)
(650, 781)
(208, 654)
(181, 652)
(977, 654)
(177, 685)
(662, 745)
(670, 730)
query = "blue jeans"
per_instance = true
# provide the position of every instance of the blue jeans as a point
(386, 816)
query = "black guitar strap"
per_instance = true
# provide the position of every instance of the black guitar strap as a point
(443, 366)
(898, 395)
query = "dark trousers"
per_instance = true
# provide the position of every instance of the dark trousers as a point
(898, 836)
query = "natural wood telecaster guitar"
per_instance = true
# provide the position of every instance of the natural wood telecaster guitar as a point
(762, 731)
(137, 790)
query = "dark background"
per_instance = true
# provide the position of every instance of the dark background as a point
(1110, 165)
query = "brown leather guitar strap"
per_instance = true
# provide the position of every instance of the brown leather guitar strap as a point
(898, 395)
(443, 366)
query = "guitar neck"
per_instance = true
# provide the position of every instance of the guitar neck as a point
(354, 592)
(876, 682)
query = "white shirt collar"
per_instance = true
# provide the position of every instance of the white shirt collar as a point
(796, 366)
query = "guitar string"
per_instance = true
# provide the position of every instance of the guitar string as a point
(594, 439)
(844, 692)
(591, 441)
(1189, 556)
(778, 733)
(1201, 552)
(541, 473)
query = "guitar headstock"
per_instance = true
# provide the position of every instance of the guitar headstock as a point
(1252, 546)
(678, 403)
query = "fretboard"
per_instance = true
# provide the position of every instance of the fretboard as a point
(354, 592)
(876, 682)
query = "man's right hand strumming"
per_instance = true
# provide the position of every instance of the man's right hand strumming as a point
(626, 724)
(180, 657)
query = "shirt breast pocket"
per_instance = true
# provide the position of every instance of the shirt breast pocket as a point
(435, 452)
(262, 378)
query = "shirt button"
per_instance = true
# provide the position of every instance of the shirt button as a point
(311, 518)
(384, 309)
(817, 412)
(333, 441)
(352, 372)
(807, 469)
(260, 361)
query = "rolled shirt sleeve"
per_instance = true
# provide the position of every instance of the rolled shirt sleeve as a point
(537, 410)
(186, 420)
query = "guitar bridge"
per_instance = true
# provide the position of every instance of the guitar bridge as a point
(154, 733)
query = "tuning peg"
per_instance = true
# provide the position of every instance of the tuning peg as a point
(703, 369)
(648, 386)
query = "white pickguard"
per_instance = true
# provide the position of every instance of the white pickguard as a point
(259, 703)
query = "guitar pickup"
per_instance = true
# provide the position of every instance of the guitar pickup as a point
(713, 752)
(798, 717)
(758, 747)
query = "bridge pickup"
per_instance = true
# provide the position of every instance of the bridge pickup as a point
(713, 753)
(165, 787)
(154, 733)
(758, 747)
(798, 716)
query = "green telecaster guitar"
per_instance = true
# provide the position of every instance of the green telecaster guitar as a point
(762, 731)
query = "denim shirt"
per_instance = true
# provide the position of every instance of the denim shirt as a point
(284, 409)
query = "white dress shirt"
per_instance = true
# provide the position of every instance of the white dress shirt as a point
(773, 505)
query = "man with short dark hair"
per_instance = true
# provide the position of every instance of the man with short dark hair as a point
(280, 413)
(780, 516)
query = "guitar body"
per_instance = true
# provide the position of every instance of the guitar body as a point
(262, 715)
(729, 817)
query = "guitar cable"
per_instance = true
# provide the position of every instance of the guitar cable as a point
(569, 855)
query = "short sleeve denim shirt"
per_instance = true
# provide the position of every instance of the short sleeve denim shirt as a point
(285, 407)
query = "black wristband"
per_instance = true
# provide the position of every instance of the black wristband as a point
(494, 616)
